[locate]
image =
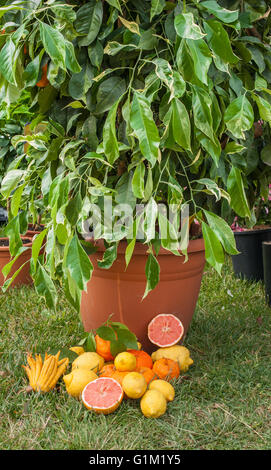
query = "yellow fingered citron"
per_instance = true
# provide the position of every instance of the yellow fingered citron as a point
(89, 361)
(177, 353)
(78, 350)
(153, 404)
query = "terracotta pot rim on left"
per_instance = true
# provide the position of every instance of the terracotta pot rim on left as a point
(6, 248)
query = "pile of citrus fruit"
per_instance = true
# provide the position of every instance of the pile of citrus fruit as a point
(101, 380)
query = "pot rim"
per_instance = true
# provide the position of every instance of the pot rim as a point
(6, 248)
(141, 249)
(251, 232)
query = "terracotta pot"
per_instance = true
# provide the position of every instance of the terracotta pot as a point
(119, 292)
(24, 275)
(31, 232)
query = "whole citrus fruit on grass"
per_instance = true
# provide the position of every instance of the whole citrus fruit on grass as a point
(177, 353)
(134, 385)
(148, 374)
(143, 359)
(166, 369)
(107, 370)
(77, 380)
(164, 387)
(165, 330)
(125, 361)
(88, 360)
(103, 348)
(103, 395)
(153, 404)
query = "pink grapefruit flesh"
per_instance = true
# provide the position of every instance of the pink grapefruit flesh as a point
(165, 330)
(103, 395)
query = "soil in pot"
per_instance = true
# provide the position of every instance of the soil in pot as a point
(118, 291)
(24, 275)
(249, 263)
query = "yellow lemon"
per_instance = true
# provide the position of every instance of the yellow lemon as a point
(164, 387)
(177, 353)
(134, 385)
(153, 404)
(77, 349)
(125, 361)
(139, 345)
(88, 360)
(77, 380)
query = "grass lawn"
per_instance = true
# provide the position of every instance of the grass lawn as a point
(223, 402)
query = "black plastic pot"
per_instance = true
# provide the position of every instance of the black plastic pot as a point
(266, 250)
(249, 263)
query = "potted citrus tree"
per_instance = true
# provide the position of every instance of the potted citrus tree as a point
(138, 98)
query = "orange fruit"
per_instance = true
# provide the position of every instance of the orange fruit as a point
(44, 80)
(165, 330)
(143, 359)
(119, 376)
(103, 395)
(166, 369)
(148, 374)
(107, 370)
(103, 348)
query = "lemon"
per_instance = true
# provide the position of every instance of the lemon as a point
(125, 361)
(177, 353)
(164, 387)
(153, 404)
(77, 349)
(88, 360)
(77, 380)
(134, 385)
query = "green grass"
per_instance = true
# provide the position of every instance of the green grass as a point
(223, 402)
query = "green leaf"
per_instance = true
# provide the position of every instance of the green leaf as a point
(45, 286)
(78, 263)
(223, 231)
(114, 3)
(202, 103)
(10, 181)
(266, 154)
(138, 181)
(6, 61)
(235, 188)
(157, 6)
(110, 255)
(151, 212)
(130, 25)
(239, 116)
(202, 58)
(124, 190)
(106, 332)
(129, 251)
(264, 108)
(152, 271)
(36, 246)
(213, 249)
(233, 147)
(88, 21)
(186, 28)
(127, 338)
(16, 200)
(54, 44)
(219, 41)
(109, 93)
(227, 16)
(71, 60)
(31, 71)
(144, 127)
(7, 268)
(81, 82)
(73, 295)
(111, 147)
(180, 123)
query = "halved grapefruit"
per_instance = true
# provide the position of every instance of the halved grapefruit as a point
(165, 330)
(103, 395)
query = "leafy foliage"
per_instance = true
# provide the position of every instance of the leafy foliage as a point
(147, 102)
